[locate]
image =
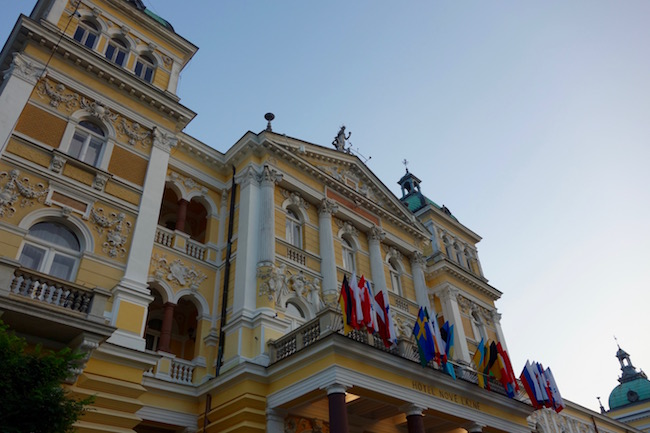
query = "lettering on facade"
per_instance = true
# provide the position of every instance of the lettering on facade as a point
(445, 395)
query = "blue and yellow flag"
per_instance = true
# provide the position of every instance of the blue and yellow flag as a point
(423, 337)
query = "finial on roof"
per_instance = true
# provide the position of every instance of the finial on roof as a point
(602, 409)
(406, 163)
(269, 117)
(339, 140)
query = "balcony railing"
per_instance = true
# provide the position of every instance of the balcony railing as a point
(173, 369)
(330, 321)
(181, 241)
(54, 292)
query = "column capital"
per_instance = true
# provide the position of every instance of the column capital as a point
(24, 68)
(447, 292)
(418, 259)
(163, 140)
(336, 388)
(247, 176)
(474, 427)
(376, 233)
(411, 409)
(496, 316)
(327, 207)
(270, 176)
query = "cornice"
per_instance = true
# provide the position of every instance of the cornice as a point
(446, 267)
(440, 215)
(116, 76)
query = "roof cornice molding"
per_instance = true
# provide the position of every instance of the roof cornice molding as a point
(440, 215)
(446, 267)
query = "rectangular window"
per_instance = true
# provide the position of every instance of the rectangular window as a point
(32, 257)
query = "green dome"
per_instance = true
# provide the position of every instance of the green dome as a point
(630, 392)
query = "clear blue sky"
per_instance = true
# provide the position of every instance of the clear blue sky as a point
(529, 120)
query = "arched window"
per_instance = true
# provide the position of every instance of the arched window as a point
(478, 327)
(116, 51)
(294, 229)
(51, 248)
(295, 314)
(144, 68)
(86, 34)
(87, 143)
(349, 262)
(396, 283)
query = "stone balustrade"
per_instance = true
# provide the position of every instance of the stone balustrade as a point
(181, 241)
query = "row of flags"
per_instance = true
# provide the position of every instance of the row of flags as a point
(541, 387)
(491, 359)
(434, 342)
(361, 309)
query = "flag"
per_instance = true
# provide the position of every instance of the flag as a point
(346, 302)
(423, 337)
(558, 402)
(509, 380)
(449, 349)
(358, 310)
(373, 326)
(478, 357)
(440, 343)
(531, 386)
(538, 369)
(384, 319)
(491, 359)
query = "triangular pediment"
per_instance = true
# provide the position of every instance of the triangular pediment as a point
(346, 174)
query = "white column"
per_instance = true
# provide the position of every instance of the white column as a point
(19, 81)
(375, 236)
(267, 215)
(137, 266)
(56, 10)
(173, 77)
(496, 318)
(326, 240)
(434, 238)
(418, 263)
(448, 295)
(275, 420)
(244, 292)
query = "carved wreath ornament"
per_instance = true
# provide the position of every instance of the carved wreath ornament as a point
(116, 228)
(177, 272)
(16, 188)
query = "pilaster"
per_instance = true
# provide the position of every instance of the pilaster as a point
(245, 289)
(496, 318)
(326, 238)
(375, 236)
(19, 81)
(418, 264)
(448, 295)
(269, 178)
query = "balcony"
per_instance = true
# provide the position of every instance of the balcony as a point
(175, 370)
(330, 321)
(56, 312)
(182, 242)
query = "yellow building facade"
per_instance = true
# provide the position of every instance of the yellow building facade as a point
(203, 286)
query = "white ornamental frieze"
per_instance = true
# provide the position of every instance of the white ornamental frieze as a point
(134, 132)
(279, 285)
(98, 110)
(15, 189)
(176, 272)
(115, 229)
(58, 95)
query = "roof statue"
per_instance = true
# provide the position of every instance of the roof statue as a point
(339, 141)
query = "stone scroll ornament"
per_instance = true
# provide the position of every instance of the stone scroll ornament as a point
(115, 228)
(134, 132)
(19, 189)
(176, 272)
(279, 285)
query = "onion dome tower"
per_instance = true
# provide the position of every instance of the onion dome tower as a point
(629, 402)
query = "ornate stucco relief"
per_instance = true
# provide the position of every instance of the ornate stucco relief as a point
(15, 189)
(58, 94)
(115, 228)
(134, 132)
(279, 285)
(176, 272)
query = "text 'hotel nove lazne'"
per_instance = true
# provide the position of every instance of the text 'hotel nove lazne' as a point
(224, 315)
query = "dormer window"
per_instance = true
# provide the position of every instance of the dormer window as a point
(144, 68)
(116, 52)
(86, 34)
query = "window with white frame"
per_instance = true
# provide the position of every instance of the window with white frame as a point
(86, 33)
(51, 248)
(294, 229)
(116, 52)
(478, 328)
(295, 314)
(395, 281)
(144, 68)
(87, 143)
(349, 262)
